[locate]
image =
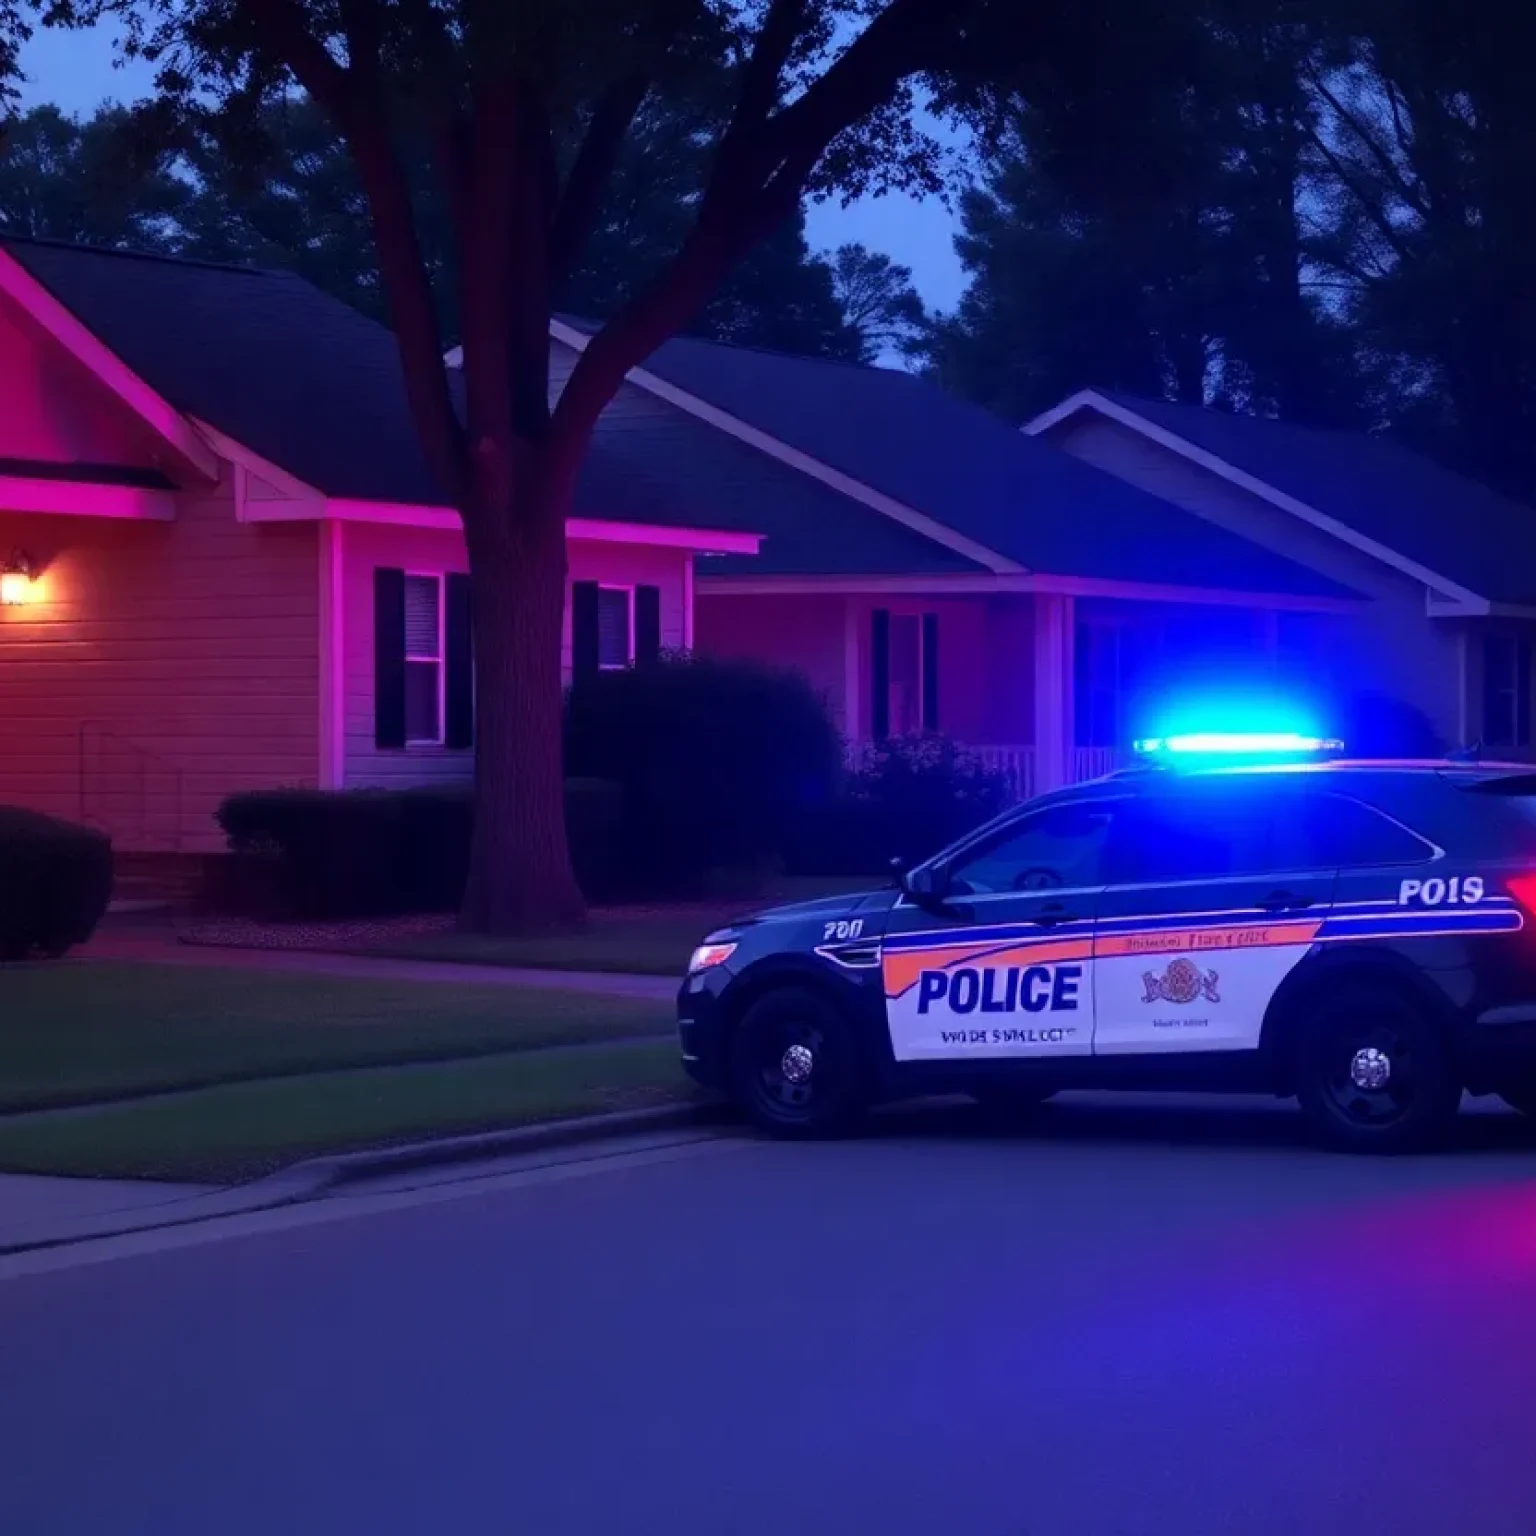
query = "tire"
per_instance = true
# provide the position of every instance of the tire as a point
(1373, 1071)
(785, 1032)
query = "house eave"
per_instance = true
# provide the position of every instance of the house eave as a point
(83, 498)
(949, 585)
(711, 541)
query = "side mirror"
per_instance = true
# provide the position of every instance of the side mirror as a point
(925, 886)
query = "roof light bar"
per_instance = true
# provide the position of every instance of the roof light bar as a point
(1238, 744)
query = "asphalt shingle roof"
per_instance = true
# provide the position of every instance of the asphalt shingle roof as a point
(307, 382)
(1441, 520)
(965, 468)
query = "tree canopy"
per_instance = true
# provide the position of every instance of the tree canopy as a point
(484, 138)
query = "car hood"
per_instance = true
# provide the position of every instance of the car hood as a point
(824, 907)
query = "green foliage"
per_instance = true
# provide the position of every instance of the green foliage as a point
(718, 760)
(878, 301)
(321, 854)
(88, 180)
(905, 798)
(55, 883)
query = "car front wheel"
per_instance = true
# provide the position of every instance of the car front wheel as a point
(1374, 1074)
(795, 1065)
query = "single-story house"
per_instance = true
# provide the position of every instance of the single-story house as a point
(936, 569)
(1449, 565)
(224, 563)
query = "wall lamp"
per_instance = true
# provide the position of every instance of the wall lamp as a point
(16, 577)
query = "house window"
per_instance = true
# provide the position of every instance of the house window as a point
(615, 628)
(906, 674)
(1506, 690)
(423, 660)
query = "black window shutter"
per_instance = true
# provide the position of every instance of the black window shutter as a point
(930, 671)
(458, 658)
(388, 657)
(584, 653)
(880, 673)
(647, 625)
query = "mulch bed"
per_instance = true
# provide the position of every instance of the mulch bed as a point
(355, 933)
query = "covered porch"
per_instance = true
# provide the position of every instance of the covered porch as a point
(1048, 682)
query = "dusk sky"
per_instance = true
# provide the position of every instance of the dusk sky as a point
(75, 71)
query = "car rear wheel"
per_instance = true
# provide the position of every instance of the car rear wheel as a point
(795, 1067)
(1374, 1074)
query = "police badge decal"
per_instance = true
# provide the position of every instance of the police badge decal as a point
(1182, 981)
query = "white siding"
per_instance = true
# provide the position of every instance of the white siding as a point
(1394, 644)
(365, 547)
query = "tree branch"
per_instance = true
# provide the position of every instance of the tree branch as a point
(755, 188)
(1388, 167)
(761, 82)
(899, 42)
(578, 204)
(353, 98)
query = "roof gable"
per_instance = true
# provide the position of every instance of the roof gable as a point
(1042, 509)
(1438, 526)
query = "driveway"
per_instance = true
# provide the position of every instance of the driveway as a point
(1140, 1320)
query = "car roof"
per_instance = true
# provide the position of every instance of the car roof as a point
(1343, 770)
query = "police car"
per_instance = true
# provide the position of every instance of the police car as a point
(1235, 913)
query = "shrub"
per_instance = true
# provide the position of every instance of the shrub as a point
(55, 883)
(317, 854)
(1380, 725)
(718, 761)
(904, 798)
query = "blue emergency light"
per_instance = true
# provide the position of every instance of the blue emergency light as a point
(1249, 746)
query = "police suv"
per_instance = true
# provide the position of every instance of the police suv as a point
(1236, 913)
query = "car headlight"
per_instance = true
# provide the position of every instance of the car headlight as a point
(708, 955)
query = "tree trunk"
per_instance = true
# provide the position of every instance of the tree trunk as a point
(520, 874)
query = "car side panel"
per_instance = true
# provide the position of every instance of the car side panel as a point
(991, 983)
(1193, 968)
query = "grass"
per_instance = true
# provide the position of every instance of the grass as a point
(651, 941)
(73, 1034)
(241, 1131)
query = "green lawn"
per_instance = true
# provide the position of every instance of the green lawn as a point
(644, 942)
(247, 1129)
(76, 1033)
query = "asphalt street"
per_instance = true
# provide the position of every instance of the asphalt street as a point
(1132, 1320)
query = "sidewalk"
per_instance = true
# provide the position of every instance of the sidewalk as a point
(160, 947)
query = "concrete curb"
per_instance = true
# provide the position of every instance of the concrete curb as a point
(317, 1176)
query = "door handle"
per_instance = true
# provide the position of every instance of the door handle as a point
(1050, 915)
(1284, 901)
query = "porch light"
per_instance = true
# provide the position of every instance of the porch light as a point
(16, 577)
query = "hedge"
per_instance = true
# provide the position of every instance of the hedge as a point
(906, 798)
(55, 883)
(720, 761)
(318, 854)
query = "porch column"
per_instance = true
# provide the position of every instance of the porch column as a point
(853, 704)
(1054, 670)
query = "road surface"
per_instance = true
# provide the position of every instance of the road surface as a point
(1129, 1323)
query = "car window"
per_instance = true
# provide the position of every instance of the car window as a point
(1057, 848)
(1336, 832)
(1211, 835)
